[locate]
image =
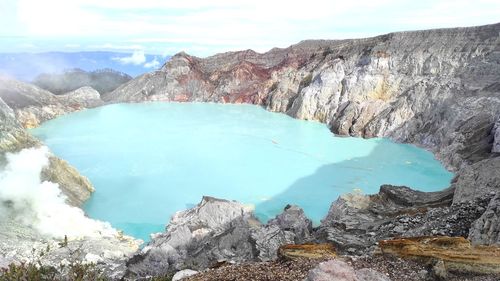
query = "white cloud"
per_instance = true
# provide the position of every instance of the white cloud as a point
(137, 58)
(152, 64)
(221, 25)
(27, 200)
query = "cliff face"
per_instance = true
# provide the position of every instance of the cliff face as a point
(438, 89)
(32, 105)
(24, 106)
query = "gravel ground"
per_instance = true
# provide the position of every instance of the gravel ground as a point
(395, 268)
(259, 271)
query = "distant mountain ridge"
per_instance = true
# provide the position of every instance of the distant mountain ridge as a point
(27, 66)
(102, 80)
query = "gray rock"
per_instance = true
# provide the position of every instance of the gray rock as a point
(33, 105)
(496, 133)
(486, 230)
(477, 180)
(358, 221)
(289, 227)
(179, 275)
(215, 230)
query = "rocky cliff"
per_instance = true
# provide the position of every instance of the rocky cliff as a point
(25, 106)
(30, 200)
(435, 88)
(438, 89)
(32, 105)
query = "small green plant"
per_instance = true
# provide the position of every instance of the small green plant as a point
(75, 270)
(306, 81)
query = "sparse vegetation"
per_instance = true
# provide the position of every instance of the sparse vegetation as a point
(75, 270)
(306, 81)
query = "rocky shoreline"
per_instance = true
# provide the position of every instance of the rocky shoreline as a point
(437, 89)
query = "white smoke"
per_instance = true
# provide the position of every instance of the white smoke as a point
(25, 199)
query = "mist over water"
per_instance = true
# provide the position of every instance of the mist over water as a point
(26, 199)
(150, 160)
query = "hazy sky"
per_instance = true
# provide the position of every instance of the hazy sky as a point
(204, 27)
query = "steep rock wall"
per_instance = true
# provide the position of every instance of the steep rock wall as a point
(437, 89)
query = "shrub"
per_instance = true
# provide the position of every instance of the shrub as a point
(306, 81)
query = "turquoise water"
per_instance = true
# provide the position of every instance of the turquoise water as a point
(149, 160)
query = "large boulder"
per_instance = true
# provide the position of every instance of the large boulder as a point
(218, 231)
(215, 230)
(355, 221)
(290, 227)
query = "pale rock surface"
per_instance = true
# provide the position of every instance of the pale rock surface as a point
(337, 270)
(179, 275)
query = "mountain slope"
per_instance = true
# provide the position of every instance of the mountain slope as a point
(102, 80)
(435, 88)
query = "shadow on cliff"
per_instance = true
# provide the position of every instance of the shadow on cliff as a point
(386, 164)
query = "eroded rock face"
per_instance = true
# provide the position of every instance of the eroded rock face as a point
(496, 133)
(455, 253)
(486, 230)
(215, 231)
(477, 180)
(407, 86)
(76, 187)
(33, 105)
(355, 222)
(290, 227)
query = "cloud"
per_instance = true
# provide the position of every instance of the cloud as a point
(137, 58)
(152, 64)
(25, 199)
(222, 25)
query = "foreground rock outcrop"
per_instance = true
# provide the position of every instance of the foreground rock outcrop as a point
(217, 231)
(356, 222)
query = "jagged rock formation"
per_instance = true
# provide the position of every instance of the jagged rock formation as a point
(437, 89)
(215, 231)
(496, 142)
(13, 138)
(26, 106)
(486, 230)
(355, 222)
(32, 105)
(103, 80)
